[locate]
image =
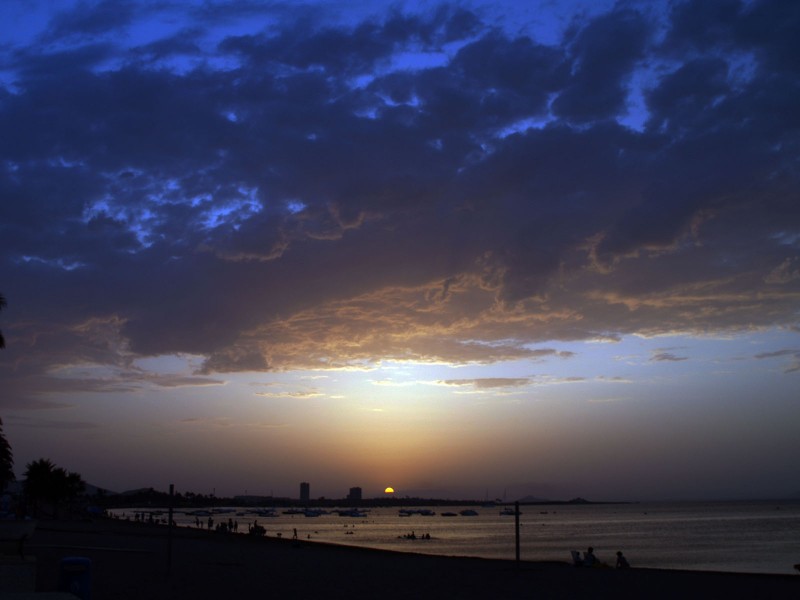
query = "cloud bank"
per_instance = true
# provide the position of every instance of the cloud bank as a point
(409, 186)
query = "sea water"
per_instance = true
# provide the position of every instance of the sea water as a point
(753, 537)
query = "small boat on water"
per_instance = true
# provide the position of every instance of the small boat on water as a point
(508, 512)
(468, 512)
(351, 512)
(449, 514)
(407, 512)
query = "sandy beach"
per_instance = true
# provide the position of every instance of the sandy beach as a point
(130, 561)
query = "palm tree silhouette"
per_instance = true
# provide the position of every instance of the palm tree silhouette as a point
(6, 461)
(45, 482)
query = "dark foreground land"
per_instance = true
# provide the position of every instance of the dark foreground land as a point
(129, 560)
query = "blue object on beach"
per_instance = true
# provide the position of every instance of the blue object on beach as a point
(75, 576)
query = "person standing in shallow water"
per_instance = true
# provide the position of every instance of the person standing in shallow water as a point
(622, 562)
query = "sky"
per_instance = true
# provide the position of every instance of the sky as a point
(466, 250)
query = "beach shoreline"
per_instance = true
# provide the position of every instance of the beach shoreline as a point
(131, 560)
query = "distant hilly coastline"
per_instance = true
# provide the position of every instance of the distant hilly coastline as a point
(149, 495)
(578, 500)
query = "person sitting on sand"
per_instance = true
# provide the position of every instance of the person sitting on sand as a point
(622, 562)
(589, 559)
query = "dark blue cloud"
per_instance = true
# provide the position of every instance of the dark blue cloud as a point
(86, 20)
(603, 56)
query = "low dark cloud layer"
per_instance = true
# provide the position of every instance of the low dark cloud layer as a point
(415, 187)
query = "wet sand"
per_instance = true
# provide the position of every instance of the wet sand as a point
(130, 561)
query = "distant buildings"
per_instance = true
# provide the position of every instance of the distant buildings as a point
(354, 495)
(305, 492)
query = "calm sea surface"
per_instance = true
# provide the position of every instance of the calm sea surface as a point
(755, 537)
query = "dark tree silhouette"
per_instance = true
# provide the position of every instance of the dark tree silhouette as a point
(44, 482)
(6, 461)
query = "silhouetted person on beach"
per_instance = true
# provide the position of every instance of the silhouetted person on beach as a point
(622, 562)
(589, 559)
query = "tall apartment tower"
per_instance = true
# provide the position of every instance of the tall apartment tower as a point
(305, 492)
(355, 494)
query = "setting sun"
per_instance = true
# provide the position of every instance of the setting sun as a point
(389, 490)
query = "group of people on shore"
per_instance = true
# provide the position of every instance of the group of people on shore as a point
(590, 560)
(413, 536)
(230, 527)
